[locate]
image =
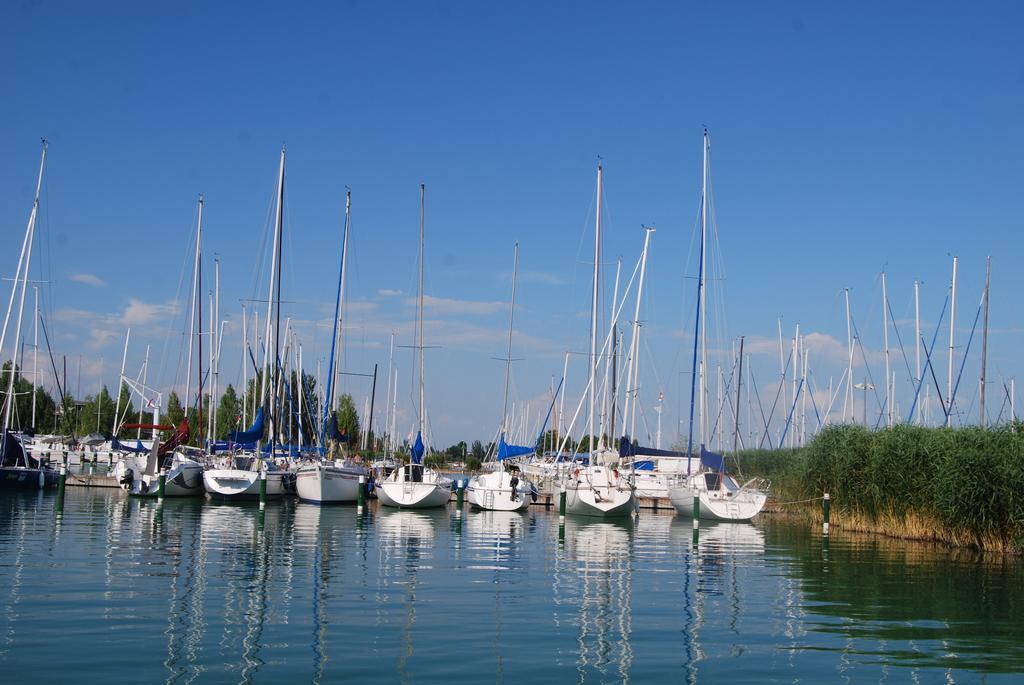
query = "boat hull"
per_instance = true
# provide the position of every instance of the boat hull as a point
(493, 492)
(604, 502)
(410, 495)
(25, 478)
(184, 479)
(322, 484)
(718, 506)
(235, 484)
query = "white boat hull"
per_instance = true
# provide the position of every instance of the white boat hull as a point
(325, 484)
(410, 495)
(718, 505)
(599, 491)
(493, 491)
(239, 484)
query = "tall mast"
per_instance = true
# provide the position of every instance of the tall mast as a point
(23, 266)
(885, 328)
(245, 368)
(593, 311)
(508, 353)
(35, 357)
(849, 361)
(697, 325)
(952, 325)
(216, 331)
(984, 341)
(192, 317)
(739, 384)
(340, 332)
(387, 406)
(704, 428)
(422, 412)
(120, 382)
(274, 272)
(917, 337)
(142, 402)
(606, 427)
(633, 371)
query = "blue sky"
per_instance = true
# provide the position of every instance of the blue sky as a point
(845, 140)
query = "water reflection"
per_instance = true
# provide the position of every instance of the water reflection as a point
(405, 550)
(190, 591)
(593, 581)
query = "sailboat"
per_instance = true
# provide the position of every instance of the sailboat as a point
(18, 470)
(598, 487)
(240, 479)
(326, 481)
(138, 470)
(720, 496)
(414, 485)
(497, 488)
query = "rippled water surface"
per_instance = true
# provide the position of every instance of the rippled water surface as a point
(117, 590)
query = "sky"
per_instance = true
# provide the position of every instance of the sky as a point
(845, 141)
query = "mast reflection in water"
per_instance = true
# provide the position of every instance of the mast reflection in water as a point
(135, 590)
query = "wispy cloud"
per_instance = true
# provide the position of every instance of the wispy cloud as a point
(441, 306)
(139, 313)
(389, 292)
(89, 279)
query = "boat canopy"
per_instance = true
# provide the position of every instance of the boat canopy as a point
(254, 433)
(506, 451)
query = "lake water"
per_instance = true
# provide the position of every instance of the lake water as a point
(117, 590)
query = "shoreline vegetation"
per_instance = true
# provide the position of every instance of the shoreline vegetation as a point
(962, 487)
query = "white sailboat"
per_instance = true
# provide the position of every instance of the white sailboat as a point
(720, 497)
(415, 486)
(598, 487)
(498, 488)
(327, 481)
(239, 478)
(19, 470)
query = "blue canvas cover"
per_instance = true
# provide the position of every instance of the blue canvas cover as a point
(254, 433)
(418, 449)
(505, 451)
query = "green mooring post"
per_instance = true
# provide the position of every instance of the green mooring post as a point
(826, 504)
(561, 502)
(161, 484)
(460, 493)
(263, 488)
(696, 536)
(361, 495)
(60, 486)
(696, 511)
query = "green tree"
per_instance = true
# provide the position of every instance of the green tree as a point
(348, 419)
(21, 417)
(97, 414)
(477, 451)
(175, 412)
(229, 413)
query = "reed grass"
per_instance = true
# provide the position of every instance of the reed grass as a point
(960, 486)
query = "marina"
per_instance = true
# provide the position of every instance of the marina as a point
(459, 342)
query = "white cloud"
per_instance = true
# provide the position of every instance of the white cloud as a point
(139, 313)
(441, 306)
(389, 292)
(89, 279)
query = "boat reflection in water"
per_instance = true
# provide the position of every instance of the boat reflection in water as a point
(405, 549)
(593, 590)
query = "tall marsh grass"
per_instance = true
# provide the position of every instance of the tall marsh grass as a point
(963, 486)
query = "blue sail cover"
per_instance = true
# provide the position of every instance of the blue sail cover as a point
(254, 433)
(118, 445)
(715, 462)
(418, 449)
(506, 451)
